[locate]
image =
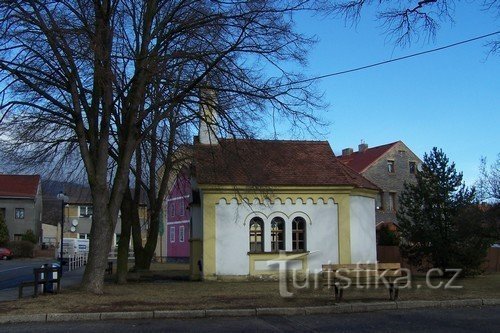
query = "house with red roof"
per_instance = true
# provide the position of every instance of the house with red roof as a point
(388, 166)
(21, 204)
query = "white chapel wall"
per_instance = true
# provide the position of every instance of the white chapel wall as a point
(232, 231)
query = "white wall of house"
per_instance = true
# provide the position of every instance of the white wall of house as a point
(232, 231)
(363, 237)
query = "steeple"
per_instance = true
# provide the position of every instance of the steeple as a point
(209, 133)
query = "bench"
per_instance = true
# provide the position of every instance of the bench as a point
(42, 276)
(343, 276)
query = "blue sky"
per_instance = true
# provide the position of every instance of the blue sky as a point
(449, 99)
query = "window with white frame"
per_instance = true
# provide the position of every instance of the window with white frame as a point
(181, 207)
(181, 234)
(172, 234)
(390, 166)
(172, 209)
(19, 213)
(85, 211)
(392, 201)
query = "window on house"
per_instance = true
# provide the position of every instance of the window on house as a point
(256, 235)
(18, 237)
(85, 211)
(172, 234)
(181, 207)
(379, 201)
(298, 234)
(277, 234)
(181, 234)
(19, 213)
(392, 201)
(172, 209)
(390, 166)
(413, 167)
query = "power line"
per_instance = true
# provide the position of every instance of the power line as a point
(315, 78)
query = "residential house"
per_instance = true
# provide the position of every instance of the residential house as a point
(21, 204)
(77, 212)
(388, 166)
(178, 218)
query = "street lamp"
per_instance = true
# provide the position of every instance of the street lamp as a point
(64, 198)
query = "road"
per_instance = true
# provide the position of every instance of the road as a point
(14, 271)
(477, 319)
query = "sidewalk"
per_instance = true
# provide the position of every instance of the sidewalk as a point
(69, 279)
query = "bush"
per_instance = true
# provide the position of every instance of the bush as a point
(21, 249)
(29, 236)
(4, 232)
(387, 237)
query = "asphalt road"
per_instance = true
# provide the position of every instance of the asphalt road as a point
(480, 319)
(14, 271)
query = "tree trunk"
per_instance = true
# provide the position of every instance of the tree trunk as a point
(100, 243)
(123, 244)
(148, 252)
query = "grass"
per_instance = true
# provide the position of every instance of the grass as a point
(180, 295)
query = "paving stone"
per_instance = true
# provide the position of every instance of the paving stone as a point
(231, 313)
(280, 311)
(180, 314)
(33, 318)
(127, 315)
(73, 316)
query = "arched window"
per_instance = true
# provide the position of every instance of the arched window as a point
(256, 235)
(298, 234)
(277, 234)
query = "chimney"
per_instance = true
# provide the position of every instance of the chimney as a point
(347, 151)
(362, 147)
(208, 112)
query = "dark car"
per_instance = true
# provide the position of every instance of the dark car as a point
(5, 253)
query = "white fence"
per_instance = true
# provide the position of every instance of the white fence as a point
(114, 254)
(77, 261)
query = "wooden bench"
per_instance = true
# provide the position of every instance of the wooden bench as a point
(343, 276)
(42, 276)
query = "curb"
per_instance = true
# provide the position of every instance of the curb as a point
(188, 314)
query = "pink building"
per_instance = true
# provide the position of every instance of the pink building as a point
(178, 219)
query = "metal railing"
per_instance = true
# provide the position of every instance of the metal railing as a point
(77, 261)
(113, 254)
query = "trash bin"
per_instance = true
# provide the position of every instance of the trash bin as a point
(49, 287)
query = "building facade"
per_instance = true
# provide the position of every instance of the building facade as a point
(264, 202)
(21, 204)
(178, 217)
(389, 167)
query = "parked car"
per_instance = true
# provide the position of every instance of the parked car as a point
(5, 253)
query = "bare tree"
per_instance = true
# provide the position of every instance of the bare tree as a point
(78, 72)
(407, 21)
(488, 185)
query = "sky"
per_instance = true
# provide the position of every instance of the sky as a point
(449, 99)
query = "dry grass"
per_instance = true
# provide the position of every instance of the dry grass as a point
(175, 295)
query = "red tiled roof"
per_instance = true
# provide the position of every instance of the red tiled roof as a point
(273, 163)
(359, 161)
(19, 186)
